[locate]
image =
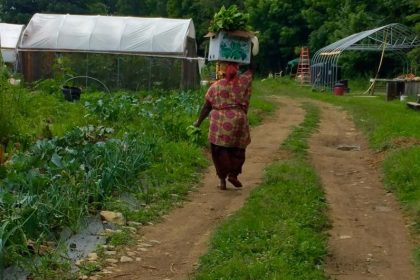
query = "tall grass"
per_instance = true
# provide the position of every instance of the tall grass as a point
(58, 180)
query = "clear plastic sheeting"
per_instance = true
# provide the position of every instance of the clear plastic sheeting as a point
(9, 39)
(107, 34)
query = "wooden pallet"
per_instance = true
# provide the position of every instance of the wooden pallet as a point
(413, 105)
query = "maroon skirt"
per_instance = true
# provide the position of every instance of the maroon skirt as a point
(228, 161)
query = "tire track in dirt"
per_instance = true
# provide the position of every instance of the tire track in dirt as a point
(183, 235)
(368, 239)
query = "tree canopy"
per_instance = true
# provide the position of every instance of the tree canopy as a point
(283, 25)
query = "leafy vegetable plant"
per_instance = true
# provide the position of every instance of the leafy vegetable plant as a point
(230, 19)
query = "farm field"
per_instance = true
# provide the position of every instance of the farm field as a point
(124, 126)
(286, 227)
(64, 161)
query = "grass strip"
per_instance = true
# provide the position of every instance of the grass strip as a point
(280, 232)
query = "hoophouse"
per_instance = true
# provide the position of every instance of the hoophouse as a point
(392, 38)
(122, 52)
(9, 39)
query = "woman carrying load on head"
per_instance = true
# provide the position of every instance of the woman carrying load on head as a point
(227, 102)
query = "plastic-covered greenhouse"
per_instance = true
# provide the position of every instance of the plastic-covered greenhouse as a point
(9, 39)
(122, 52)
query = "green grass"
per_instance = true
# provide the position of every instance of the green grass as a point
(402, 176)
(280, 232)
(259, 108)
(382, 121)
(386, 125)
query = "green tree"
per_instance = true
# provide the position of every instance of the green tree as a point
(281, 28)
(21, 11)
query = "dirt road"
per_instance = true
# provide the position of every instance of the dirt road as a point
(182, 237)
(368, 237)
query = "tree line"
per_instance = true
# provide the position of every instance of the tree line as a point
(284, 25)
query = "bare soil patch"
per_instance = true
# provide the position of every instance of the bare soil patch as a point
(368, 239)
(171, 249)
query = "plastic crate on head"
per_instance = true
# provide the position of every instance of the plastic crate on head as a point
(233, 47)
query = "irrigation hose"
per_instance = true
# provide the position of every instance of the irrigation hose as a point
(371, 88)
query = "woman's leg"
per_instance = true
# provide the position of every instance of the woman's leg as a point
(237, 159)
(221, 162)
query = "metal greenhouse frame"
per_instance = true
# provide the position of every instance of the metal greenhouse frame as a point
(394, 37)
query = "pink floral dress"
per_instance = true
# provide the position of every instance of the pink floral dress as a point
(228, 118)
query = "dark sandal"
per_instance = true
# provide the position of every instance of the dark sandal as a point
(235, 182)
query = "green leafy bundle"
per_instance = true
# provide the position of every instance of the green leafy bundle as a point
(230, 19)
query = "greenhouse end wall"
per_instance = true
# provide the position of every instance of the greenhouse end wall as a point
(129, 72)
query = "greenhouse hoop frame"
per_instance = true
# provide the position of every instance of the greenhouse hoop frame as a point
(395, 37)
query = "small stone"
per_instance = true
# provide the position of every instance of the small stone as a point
(92, 257)
(84, 277)
(113, 217)
(111, 260)
(110, 253)
(348, 147)
(145, 245)
(131, 254)
(143, 249)
(132, 229)
(125, 259)
(78, 262)
(105, 271)
(138, 259)
(134, 224)
(345, 237)
(155, 241)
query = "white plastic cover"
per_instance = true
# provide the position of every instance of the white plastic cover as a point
(9, 38)
(108, 34)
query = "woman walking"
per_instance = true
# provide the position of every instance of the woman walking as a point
(227, 102)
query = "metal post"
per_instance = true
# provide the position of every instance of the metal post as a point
(87, 70)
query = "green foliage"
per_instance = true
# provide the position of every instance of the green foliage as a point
(259, 108)
(53, 183)
(120, 237)
(297, 141)
(402, 170)
(89, 268)
(193, 133)
(287, 24)
(8, 111)
(229, 19)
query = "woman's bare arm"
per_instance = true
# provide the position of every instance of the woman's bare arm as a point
(205, 111)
